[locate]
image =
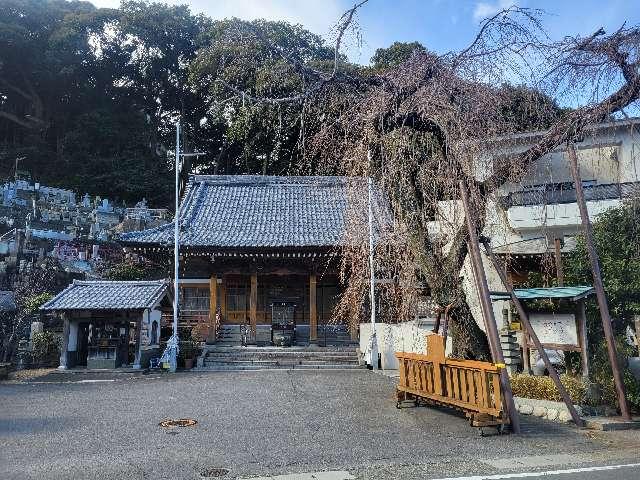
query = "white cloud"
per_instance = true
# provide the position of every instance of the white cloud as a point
(483, 10)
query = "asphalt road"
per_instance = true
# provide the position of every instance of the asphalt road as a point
(266, 423)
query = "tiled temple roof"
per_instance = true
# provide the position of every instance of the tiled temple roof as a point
(251, 211)
(108, 295)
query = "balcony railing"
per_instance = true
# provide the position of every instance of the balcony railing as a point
(566, 193)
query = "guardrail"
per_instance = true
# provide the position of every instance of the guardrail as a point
(566, 193)
(470, 386)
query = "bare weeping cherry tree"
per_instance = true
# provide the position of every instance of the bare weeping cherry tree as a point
(423, 126)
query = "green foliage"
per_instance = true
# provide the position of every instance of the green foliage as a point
(395, 54)
(45, 346)
(126, 271)
(602, 375)
(528, 108)
(252, 137)
(188, 349)
(617, 240)
(543, 388)
(33, 302)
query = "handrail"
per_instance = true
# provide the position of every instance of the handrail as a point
(562, 193)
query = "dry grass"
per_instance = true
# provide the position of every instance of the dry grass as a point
(21, 375)
(543, 388)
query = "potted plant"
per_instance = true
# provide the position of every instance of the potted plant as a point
(188, 351)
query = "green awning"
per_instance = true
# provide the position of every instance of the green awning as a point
(571, 293)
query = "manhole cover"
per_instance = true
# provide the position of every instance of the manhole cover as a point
(181, 422)
(214, 472)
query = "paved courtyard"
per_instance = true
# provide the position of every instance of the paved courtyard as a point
(262, 423)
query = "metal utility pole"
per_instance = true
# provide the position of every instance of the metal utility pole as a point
(597, 282)
(536, 341)
(487, 309)
(372, 293)
(172, 344)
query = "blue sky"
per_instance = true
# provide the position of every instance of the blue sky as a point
(440, 25)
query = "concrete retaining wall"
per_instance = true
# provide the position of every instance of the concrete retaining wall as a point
(398, 337)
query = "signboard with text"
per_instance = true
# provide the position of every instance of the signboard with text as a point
(555, 328)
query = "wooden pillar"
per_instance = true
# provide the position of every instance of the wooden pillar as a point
(223, 299)
(213, 306)
(313, 314)
(253, 305)
(559, 267)
(581, 323)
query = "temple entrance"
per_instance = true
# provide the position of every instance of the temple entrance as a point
(264, 309)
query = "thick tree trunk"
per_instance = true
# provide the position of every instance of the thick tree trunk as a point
(469, 341)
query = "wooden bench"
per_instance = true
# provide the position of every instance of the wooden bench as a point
(466, 385)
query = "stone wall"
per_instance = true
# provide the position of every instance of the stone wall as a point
(557, 411)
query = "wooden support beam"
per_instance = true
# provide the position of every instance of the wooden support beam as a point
(597, 283)
(213, 307)
(487, 308)
(581, 322)
(531, 333)
(558, 258)
(313, 314)
(253, 305)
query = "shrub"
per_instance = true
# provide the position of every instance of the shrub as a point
(188, 349)
(602, 375)
(126, 271)
(45, 346)
(543, 388)
(33, 302)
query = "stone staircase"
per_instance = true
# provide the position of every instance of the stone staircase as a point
(328, 335)
(220, 357)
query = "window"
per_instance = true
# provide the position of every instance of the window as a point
(194, 299)
(237, 297)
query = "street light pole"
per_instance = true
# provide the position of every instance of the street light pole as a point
(172, 345)
(372, 292)
(170, 353)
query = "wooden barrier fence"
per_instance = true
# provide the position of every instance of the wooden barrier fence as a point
(470, 386)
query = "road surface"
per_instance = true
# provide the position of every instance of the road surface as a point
(269, 423)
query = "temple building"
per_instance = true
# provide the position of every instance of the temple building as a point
(110, 324)
(259, 257)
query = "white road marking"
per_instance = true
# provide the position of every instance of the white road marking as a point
(333, 475)
(101, 380)
(537, 461)
(547, 473)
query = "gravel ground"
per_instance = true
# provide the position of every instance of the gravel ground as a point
(255, 423)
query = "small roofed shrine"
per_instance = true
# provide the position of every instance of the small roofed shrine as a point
(259, 256)
(558, 329)
(110, 324)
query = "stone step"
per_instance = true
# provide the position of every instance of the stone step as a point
(213, 368)
(267, 364)
(293, 353)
